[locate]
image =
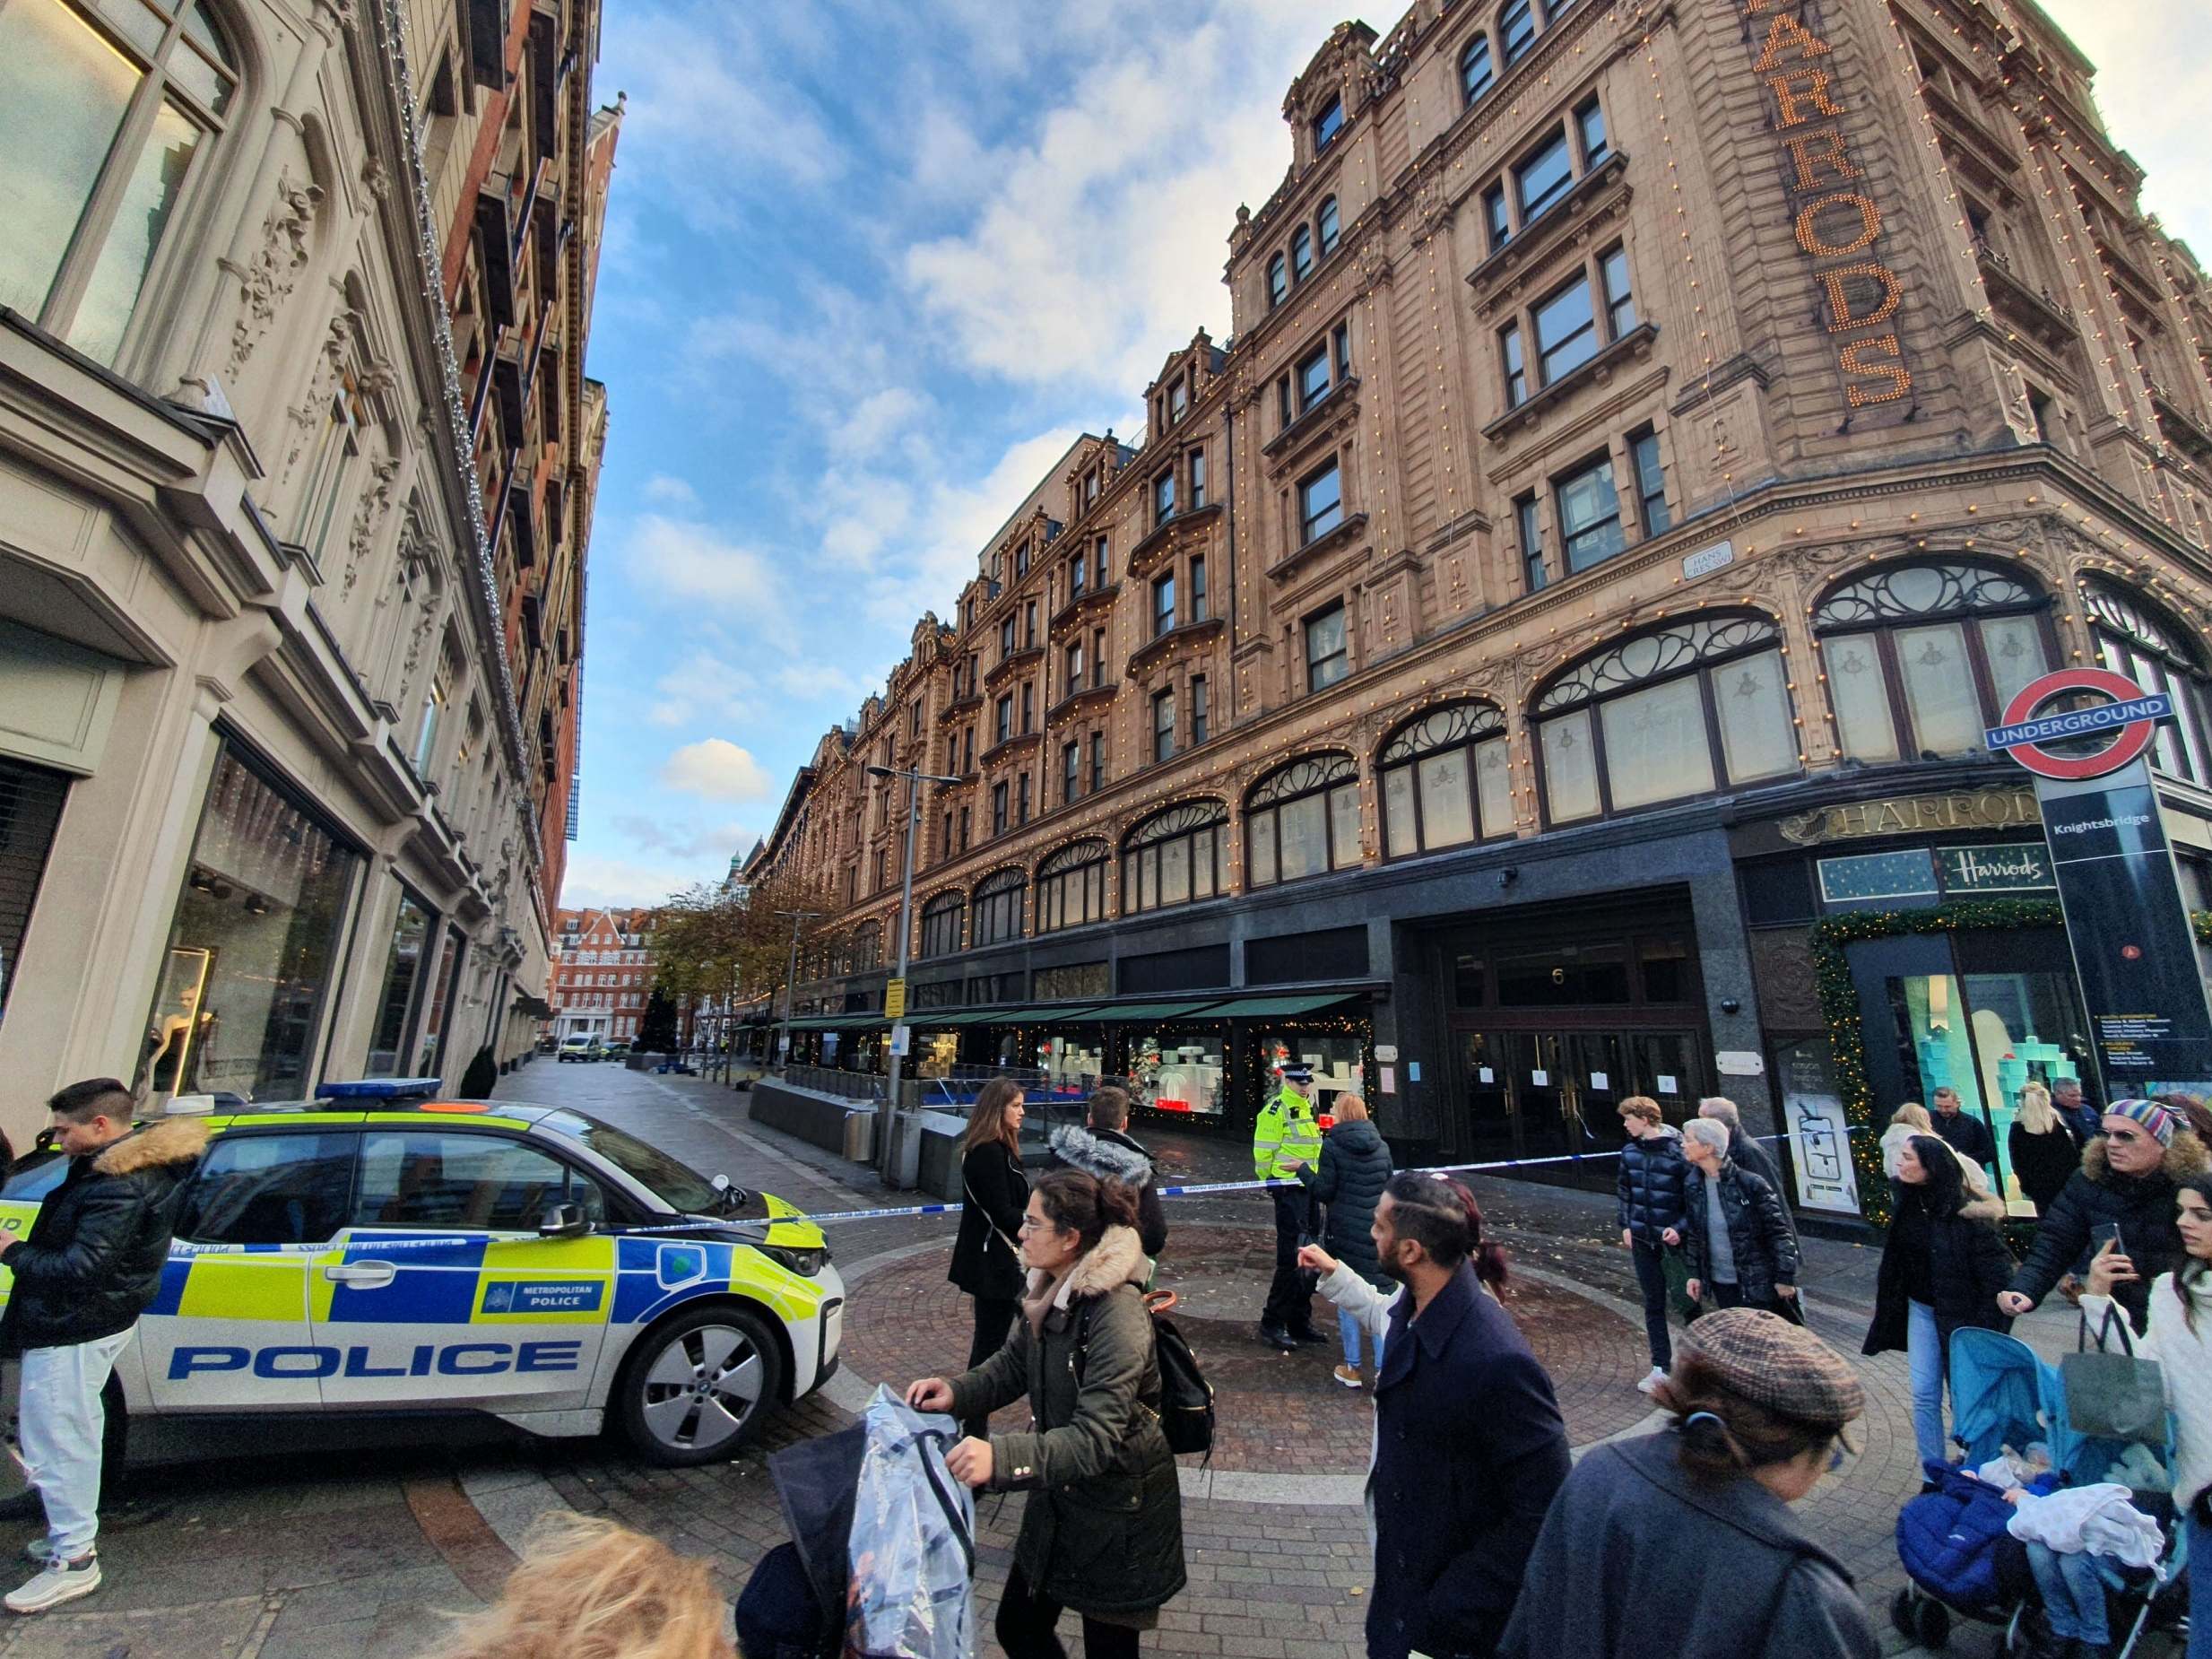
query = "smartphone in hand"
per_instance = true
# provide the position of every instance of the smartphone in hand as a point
(2104, 1233)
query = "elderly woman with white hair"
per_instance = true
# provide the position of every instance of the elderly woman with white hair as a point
(1742, 1253)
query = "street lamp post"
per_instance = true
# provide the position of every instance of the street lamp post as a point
(887, 1122)
(790, 978)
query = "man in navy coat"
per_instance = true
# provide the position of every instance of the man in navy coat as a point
(1469, 1448)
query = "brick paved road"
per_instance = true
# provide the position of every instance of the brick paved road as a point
(356, 1557)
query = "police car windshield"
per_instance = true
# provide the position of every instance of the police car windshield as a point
(677, 1186)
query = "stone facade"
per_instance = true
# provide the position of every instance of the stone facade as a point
(1598, 371)
(296, 463)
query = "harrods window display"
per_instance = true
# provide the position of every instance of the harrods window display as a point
(1177, 1072)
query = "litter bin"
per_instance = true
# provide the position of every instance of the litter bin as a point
(860, 1137)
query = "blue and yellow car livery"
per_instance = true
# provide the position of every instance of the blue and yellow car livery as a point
(372, 1253)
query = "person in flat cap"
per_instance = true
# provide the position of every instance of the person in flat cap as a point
(1285, 1140)
(1680, 1544)
(2126, 1187)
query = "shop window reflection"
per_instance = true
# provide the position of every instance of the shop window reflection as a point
(251, 947)
(1176, 1071)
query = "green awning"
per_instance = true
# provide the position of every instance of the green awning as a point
(1032, 1013)
(926, 1020)
(840, 1022)
(1276, 1007)
(1137, 1013)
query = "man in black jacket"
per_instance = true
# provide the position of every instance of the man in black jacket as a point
(89, 1265)
(1968, 1136)
(1107, 1150)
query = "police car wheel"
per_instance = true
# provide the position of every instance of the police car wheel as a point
(699, 1384)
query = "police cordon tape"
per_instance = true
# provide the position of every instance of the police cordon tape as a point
(377, 1246)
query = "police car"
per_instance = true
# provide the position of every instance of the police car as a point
(378, 1252)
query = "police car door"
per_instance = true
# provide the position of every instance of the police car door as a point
(228, 1328)
(443, 1292)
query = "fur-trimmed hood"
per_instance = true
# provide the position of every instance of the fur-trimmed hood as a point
(2185, 1158)
(1981, 1207)
(1116, 1259)
(169, 1141)
(1095, 1155)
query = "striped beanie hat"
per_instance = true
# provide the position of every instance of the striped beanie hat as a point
(2157, 1122)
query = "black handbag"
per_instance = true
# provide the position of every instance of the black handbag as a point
(2114, 1396)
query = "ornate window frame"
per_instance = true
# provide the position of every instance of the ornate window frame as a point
(1172, 841)
(1463, 726)
(1331, 775)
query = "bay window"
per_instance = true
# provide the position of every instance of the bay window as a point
(1922, 658)
(1677, 712)
(1303, 819)
(109, 127)
(1446, 781)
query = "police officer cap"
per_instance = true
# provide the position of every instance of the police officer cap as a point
(1298, 1073)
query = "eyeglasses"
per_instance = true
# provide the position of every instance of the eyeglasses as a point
(1030, 1224)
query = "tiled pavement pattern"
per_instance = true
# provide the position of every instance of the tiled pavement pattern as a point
(355, 1556)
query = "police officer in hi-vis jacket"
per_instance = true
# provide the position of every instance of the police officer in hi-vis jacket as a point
(1286, 1138)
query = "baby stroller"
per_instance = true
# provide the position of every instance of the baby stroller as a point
(1953, 1540)
(792, 1607)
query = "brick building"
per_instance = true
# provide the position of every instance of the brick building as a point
(602, 974)
(297, 463)
(1656, 439)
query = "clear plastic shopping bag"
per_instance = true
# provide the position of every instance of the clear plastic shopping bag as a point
(913, 1546)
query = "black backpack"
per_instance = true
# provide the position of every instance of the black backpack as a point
(1186, 1404)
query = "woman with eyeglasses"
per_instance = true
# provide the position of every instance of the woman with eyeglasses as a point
(1943, 1263)
(1102, 1532)
(1698, 1515)
(2129, 1179)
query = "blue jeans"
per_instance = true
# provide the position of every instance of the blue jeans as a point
(1924, 1346)
(2073, 1594)
(2199, 1588)
(1349, 1329)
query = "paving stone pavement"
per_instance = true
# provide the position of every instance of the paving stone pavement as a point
(359, 1556)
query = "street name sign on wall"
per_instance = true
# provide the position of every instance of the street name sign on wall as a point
(2134, 952)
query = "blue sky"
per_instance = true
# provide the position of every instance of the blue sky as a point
(869, 267)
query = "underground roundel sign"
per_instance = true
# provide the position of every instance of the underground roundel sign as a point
(2126, 712)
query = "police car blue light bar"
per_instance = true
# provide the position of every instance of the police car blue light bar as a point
(380, 1088)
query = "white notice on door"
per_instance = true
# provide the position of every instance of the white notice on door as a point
(1666, 1084)
(1483, 1073)
(1540, 1080)
(1599, 1080)
(1390, 1080)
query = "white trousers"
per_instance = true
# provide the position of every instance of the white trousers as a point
(60, 1422)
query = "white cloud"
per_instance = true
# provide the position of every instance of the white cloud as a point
(2153, 82)
(593, 879)
(818, 679)
(877, 419)
(689, 842)
(704, 685)
(694, 561)
(674, 491)
(717, 769)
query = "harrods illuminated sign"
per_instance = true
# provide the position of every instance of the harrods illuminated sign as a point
(1981, 809)
(1837, 223)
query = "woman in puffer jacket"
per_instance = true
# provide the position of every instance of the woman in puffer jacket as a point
(1102, 1530)
(1742, 1253)
(1355, 1168)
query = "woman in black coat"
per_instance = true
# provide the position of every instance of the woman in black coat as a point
(1750, 1259)
(1355, 1168)
(1942, 1267)
(2040, 1149)
(986, 1255)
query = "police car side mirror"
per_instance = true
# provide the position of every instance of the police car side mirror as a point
(563, 1221)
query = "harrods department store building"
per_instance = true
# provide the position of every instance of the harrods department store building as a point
(1656, 439)
(298, 459)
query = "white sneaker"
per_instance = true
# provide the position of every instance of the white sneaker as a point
(62, 1581)
(1651, 1381)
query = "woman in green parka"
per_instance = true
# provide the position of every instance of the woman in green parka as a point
(1103, 1531)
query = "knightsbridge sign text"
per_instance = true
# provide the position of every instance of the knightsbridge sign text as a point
(1837, 222)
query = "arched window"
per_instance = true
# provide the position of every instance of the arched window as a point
(1678, 712)
(944, 923)
(1174, 858)
(1278, 281)
(1922, 658)
(1303, 819)
(1445, 781)
(1325, 223)
(1301, 254)
(867, 946)
(2154, 651)
(998, 907)
(109, 122)
(1476, 72)
(1070, 886)
(1516, 30)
